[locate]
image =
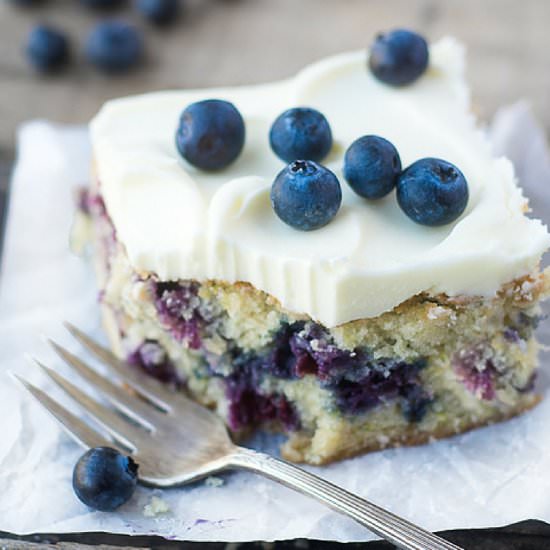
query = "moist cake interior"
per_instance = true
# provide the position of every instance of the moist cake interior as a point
(432, 367)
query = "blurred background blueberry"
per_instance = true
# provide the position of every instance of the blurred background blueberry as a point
(159, 12)
(114, 46)
(47, 48)
(102, 4)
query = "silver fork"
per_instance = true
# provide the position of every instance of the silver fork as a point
(175, 441)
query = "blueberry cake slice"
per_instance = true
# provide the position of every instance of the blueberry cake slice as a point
(368, 295)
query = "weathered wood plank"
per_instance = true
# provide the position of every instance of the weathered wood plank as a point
(224, 42)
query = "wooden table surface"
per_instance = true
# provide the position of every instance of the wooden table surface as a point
(224, 42)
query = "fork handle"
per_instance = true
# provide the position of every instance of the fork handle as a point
(394, 529)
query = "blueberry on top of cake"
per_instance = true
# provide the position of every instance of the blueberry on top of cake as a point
(363, 298)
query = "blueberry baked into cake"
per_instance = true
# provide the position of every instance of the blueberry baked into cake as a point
(337, 256)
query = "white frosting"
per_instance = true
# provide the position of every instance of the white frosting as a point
(181, 223)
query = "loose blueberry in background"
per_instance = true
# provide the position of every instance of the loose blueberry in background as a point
(432, 192)
(102, 4)
(114, 46)
(301, 133)
(399, 57)
(160, 12)
(104, 479)
(211, 134)
(306, 195)
(371, 166)
(47, 48)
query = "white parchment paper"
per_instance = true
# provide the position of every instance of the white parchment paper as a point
(490, 477)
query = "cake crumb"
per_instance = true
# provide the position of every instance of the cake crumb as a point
(156, 507)
(437, 312)
(526, 291)
(214, 481)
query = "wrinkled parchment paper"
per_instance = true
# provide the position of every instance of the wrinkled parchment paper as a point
(490, 477)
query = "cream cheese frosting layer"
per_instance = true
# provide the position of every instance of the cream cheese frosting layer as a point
(181, 223)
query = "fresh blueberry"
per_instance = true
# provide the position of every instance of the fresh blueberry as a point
(399, 57)
(104, 479)
(371, 166)
(211, 134)
(301, 133)
(306, 195)
(47, 48)
(102, 4)
(114, 46)
(159, 12)
(432, 192)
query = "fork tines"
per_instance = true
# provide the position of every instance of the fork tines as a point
(74, 426)
(145, 405)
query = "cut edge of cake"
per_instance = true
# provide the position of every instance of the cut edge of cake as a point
(433, 367)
